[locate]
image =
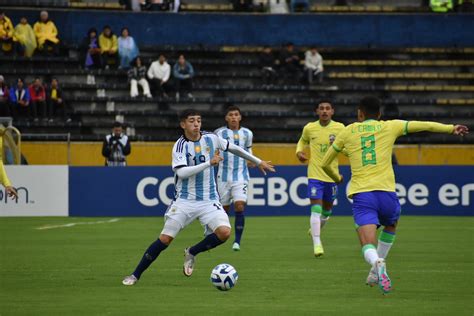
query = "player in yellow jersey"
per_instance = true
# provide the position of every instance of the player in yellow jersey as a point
(4, 177)
(322, 190)
(369, 145)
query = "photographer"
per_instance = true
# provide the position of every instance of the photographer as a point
(116, 146)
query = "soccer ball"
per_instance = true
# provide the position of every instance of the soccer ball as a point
(224, 277)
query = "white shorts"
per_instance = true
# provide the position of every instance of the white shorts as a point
(232, 191)
(181, 213)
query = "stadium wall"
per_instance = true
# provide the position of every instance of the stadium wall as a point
(147, 191)
(159, 154)
(327, 30)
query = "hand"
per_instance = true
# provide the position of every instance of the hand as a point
(216, 159)
(266, 165)
(460, 130)
(251, 164)
(301, 156)
(12, 192)
(59, 100)
(340, 180)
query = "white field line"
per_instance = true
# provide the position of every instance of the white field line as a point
(113, 220)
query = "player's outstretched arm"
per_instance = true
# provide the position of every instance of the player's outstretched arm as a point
(262, 165)
(11, 192)
(189, 171)
(330, 155)
(434, 127)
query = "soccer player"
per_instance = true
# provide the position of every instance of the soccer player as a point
(233, 174)
(193, 157)
(4, 180)
(369, 144)
(322, 190)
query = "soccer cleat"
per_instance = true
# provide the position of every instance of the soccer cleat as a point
(372, 278)
(189, 262)
(129, 280)
(385, 284)
(236, 247)
(318, 250)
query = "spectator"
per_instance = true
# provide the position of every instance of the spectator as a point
(116, 147)
(20, 100)
(108, 43)
(46, 35)
(56, 105)
(38, 99)
(25, 38)
(6, 33)
(299, 5)
(159, 74)
(183, 72)
(127, 49)
(137, 75)
(290, 64)
(267, 64)
(91, 50)
(5, 109)
(242, 5)
(313, 65)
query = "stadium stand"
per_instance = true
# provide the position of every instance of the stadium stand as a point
(419, 83)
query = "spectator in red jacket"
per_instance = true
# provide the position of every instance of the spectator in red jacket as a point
(38, 99)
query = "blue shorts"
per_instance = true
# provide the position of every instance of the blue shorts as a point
(317, 190)
(376, 207)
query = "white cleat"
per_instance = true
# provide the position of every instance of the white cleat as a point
(372, 278)
(189, 262)
(236, 247)
(385, 284)
(129, 280)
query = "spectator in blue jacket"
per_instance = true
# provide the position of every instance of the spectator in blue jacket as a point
(20, 99)
(183, 72)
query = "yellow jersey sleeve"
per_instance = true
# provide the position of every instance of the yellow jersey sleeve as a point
(434, 127)
(3, 174)
(303, 141)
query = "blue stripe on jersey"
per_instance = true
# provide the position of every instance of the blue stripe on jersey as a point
(246, 172)
(226, 158)
(184, 182)
(200, 176)
(237, 159)
(212, 180)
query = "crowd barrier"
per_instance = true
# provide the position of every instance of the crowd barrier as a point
(324, 30)
(147, 191)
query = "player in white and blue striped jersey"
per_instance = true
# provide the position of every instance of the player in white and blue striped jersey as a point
(194, 156)
(233, 174)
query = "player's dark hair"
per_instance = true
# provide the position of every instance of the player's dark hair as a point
(231, 108)
(370, 106)
(187, 113)
(117, 124)
(324, 101)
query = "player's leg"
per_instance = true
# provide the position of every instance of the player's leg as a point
(239, 196)
(389, 216)
(239, 224)
(366, 216)
(217, 220)
(315, 194)
(175, 220)
(329, 195)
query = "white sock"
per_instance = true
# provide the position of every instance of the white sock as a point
(324, 220)
(370, 255)
(315, 221)
(383, 248)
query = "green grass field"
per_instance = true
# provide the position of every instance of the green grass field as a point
(78, 269)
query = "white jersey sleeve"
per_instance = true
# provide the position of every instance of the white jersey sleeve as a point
(179, 155)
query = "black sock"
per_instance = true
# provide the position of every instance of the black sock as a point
(209, 242)
(150, 255)
(239, 226)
